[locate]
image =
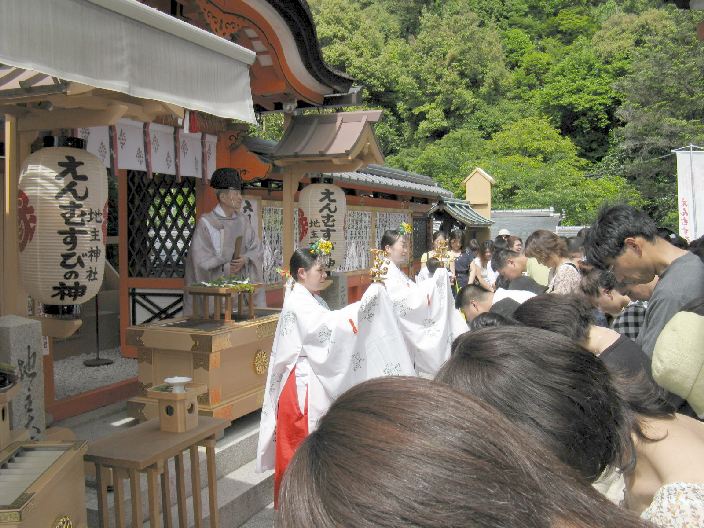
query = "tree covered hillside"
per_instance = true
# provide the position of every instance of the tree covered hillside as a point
(567, 103)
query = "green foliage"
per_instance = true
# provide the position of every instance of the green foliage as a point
(567, 103)
(534, 166)
(269, 126)
(662, 110)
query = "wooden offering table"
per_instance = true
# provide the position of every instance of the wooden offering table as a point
(230, 357)
(145, 448)
(222, 302)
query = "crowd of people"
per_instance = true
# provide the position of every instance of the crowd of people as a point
(568, 393)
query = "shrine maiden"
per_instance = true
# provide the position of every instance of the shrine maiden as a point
(318, 354)
(212, 252)
(426, 311)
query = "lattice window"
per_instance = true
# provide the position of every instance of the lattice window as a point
(148, 306)
(420, 236)
(358, 230)
(385, 221)
(161, 219)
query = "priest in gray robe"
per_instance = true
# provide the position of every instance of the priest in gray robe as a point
(212, 252)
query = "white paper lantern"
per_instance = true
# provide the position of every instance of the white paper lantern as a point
(62, 223)
(323, 209)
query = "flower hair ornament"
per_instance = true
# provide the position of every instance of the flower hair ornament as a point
(287, 278)
(321, 247)
(405, 228)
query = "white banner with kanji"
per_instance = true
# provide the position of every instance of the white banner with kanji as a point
(690, 192)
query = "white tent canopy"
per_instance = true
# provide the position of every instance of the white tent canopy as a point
(127, 47)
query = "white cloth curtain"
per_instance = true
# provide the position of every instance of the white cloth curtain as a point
(118, 48)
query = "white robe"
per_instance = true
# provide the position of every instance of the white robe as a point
(212, 249)
(428, 318)
(341, 349)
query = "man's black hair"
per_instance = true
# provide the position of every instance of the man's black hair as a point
(673, 238)
(469, 292)
(491, 319)
(595, 279)
(500, 258)
(605, 238)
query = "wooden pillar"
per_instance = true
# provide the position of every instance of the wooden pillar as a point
(291, 179)
(123, 260)
(17, 148)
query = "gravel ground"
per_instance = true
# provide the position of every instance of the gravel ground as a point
(72, 377)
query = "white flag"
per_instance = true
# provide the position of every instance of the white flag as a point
(690, 192)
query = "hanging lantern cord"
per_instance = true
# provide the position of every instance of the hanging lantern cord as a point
(97, 361)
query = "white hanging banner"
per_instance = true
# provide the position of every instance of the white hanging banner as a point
(131, 149)
(209, 151)
(191, 154)
(690, 192)
(162, 149)
(97, 142)
(130, 145)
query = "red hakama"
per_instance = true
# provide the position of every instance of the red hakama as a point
(291, 430)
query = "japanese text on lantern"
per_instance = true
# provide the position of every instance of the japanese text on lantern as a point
(79, 223)
(328, 220)
(684, 217)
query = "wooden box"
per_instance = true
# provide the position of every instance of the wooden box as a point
(178, 411)
(230, 358)
(42, 485)
(6, 394)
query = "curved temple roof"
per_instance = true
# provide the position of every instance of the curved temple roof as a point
(298, 15)
(289, 71)
(461, 211)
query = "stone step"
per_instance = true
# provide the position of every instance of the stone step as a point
(241, 495)
(263, 519)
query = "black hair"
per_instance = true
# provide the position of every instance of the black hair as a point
(501, 281)
(398, 451)
(438, 234)
(473, 245)
(469, 292)
(582, 233)
(567, 315)
(500, 242)
(487, 245)
(673, 238)
(432, 264)
(557, 391)
(490, 320)
(301, 258)
(575, 245)
(605, 239)
(389, 238)
(697, 247)
(506, 307)
(500, 258)
(595, 279)
(456, 234)
(571, 316)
